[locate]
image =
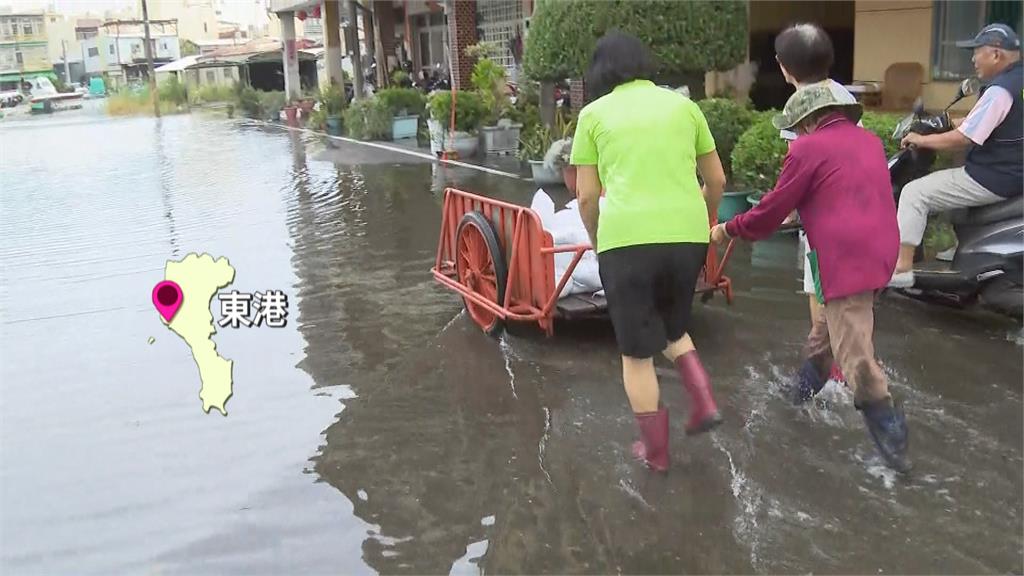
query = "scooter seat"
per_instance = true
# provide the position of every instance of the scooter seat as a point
(1003, 210)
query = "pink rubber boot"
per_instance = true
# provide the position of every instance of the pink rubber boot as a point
(652, 448)
(704, 413)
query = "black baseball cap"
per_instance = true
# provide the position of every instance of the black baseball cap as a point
(994, 35)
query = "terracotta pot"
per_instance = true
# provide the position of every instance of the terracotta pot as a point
(291, 113)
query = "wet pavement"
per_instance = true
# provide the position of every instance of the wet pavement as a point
(382, 432)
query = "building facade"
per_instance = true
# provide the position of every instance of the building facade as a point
(119, 50)
(24, 50)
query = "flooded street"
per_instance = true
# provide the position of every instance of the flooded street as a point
(382, 432)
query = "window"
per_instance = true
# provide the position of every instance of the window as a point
(26, 29)
(94, 52)
(19, 58)
(211, 77)
(52, 19)
(111, 49)
(205, 29)
(957, 20)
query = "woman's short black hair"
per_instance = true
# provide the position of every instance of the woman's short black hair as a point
(618, 58)
(805, 50)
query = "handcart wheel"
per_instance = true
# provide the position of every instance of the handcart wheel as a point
(480, 266)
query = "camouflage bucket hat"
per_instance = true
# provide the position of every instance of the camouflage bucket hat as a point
(813, 98)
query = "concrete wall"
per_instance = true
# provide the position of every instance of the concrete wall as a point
(61, 30)
(887, 32)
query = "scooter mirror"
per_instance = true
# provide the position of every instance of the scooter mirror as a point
(918, 107)
(968, 87)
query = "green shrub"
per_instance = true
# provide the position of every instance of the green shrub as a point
(317, 119)
(882, 125)
(368, 119)
(248, 100)
(399, 100)
(173, 91)
(332, 101)
(207, 94)
(489, 81)
(271, 104)
(683, 36)
(469, 109)
(535, 139)
(728, 121)
(401, 78)
(757, 157)
(128, 103)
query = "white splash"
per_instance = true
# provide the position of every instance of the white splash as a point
(470, 562)
(509, 354)
(542, 444)
(745, 527)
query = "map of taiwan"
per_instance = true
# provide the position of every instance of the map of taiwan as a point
(200, 277)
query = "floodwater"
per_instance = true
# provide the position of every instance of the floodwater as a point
(381, 432)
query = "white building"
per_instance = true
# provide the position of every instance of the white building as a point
(120, 51)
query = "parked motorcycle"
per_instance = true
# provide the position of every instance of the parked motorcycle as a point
(987, 264)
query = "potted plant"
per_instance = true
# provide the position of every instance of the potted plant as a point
(558, 155)
(368, 119)
(536, 141)
(468, 114)
(332, 104)
(499, 134)
(755, 164)
(406, 106)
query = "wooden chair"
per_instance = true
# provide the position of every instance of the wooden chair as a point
(902, 86)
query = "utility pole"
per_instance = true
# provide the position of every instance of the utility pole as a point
(357, 62)
(149, 62)
(67, 67)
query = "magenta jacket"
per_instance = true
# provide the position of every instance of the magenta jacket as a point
(837, 178)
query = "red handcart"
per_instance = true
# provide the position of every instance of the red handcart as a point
(499, 258)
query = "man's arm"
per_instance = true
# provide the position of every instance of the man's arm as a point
(711, 172)
(588, 189)
(990, 111)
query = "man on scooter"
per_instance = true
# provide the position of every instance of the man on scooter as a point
(992, 130)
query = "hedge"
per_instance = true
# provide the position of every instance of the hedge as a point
(757, 157)
(685, 37)
(728, 120)
(397, 100)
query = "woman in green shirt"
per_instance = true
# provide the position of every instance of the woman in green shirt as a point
(645, 145)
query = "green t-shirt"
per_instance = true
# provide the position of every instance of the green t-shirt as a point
(645, 141)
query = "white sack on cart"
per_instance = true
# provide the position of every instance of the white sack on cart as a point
(566, 228)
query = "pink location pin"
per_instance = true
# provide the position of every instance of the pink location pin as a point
(167, 298)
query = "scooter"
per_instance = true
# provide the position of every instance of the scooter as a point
(988, 264)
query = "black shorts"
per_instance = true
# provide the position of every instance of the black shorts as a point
(650, 288)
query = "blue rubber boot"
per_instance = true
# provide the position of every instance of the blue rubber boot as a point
(888, 428)
(808, 383)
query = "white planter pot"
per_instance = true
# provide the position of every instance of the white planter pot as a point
(500, 139)
(404, 127)
(542, 176)
(464, 144)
